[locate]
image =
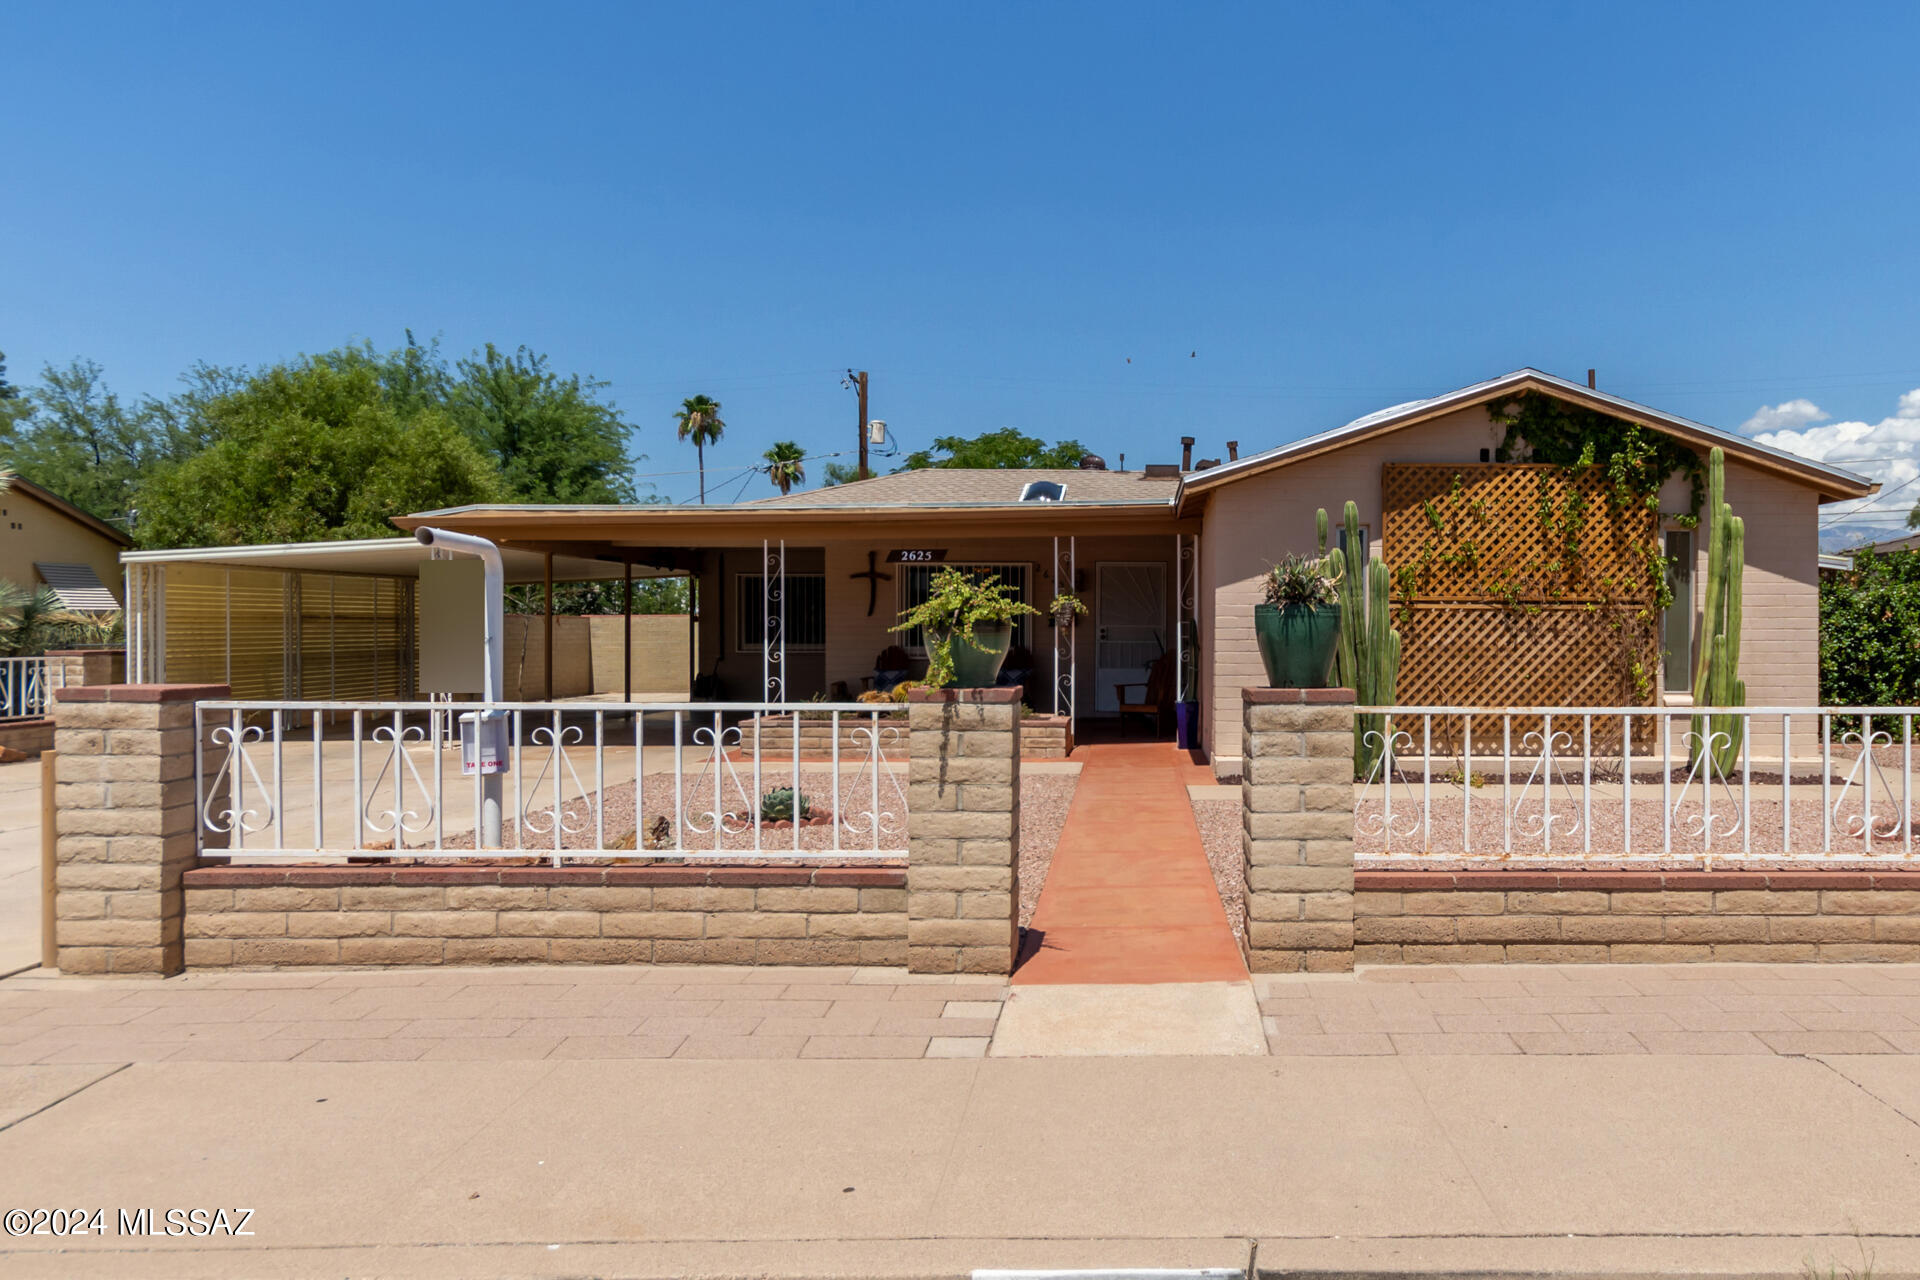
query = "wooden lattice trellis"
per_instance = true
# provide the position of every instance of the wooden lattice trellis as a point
(1467, 531)
(1503, 599)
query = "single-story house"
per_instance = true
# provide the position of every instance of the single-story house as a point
(46, 541)
(1168, 561)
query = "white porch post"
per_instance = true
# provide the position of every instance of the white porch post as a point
(1064, 683)
(1073, 635)
(1179, 621)
(773, 620)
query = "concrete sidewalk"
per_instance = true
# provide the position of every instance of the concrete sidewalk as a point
(1642, 1163)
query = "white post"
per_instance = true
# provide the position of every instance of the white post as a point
(1073, 636)
(1179, 626)
(1058, 590)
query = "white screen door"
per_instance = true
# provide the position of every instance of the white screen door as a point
(1130, 619)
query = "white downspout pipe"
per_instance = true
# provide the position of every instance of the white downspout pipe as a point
(493, 672)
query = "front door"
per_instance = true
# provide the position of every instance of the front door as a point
(1130, 628)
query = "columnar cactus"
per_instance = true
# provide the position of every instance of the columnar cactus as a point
(1716, 680)
(1368, 660)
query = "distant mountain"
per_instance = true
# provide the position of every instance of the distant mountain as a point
(1856, 533)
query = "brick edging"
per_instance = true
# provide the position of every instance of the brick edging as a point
(329, 877)
(1627, 881)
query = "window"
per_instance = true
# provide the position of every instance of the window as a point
(916, 581)
(806, 612)
(1676, 624)
(1366, 542)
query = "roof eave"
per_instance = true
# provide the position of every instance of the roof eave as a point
(1834, 484)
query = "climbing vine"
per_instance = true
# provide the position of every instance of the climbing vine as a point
(1541, 428)
(1613, 472)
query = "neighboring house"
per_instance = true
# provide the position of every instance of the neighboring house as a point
(47, 541)
(1169, 561)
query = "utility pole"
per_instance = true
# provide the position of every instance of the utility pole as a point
(860, 385)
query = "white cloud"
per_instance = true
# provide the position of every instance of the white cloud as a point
(1792, 414)
(1887, 450)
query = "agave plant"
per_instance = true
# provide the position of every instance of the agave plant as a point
(778, 805)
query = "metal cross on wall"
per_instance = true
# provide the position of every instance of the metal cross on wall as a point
(874, 578)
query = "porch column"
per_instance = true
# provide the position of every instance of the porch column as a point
(547, 596)
(626, 637)
(963, 826)
(1296, 796)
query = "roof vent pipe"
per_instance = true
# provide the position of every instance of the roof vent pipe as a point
(1186, 453)
(1233, 451)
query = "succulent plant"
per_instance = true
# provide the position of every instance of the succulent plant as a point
(779, 805)
(1716, 679)
(1368, 660)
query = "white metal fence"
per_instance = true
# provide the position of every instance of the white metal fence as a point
(26, 688)
(1625, 784)
(278, 780)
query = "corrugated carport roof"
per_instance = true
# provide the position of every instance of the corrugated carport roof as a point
(376, 557)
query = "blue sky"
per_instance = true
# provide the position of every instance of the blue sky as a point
(992, 208)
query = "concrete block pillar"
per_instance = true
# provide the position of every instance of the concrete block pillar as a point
(1296, 796)
(73, 668)
(963, 827)
(124, 822)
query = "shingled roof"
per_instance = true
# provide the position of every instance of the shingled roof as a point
(957, 486)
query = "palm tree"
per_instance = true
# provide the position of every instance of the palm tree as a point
(699, 420)
(31, 619)
(784, 465)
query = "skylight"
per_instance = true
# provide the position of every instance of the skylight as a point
(1043, 491)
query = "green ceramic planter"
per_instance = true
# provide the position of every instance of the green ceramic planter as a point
(977, 665)
(1297, 643)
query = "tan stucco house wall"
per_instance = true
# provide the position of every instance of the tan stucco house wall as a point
(37, 527)
(1252, 522)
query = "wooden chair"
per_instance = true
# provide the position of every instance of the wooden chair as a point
(1156, 699)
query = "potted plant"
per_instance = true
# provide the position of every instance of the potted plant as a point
(1298, 628)
(968, 624)
(1064, 607)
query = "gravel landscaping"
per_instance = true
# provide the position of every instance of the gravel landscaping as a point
(1220, 831)
(1044, 800)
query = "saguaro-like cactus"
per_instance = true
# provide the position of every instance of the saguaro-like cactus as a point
(1368, 660)
(1716, 679)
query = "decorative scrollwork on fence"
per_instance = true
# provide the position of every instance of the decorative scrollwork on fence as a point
(402, 819)
(877, 819)
(1546, 744)
(713, 818)
(1384, 774)
(539, 819)
(1702, 748)
(234, 760)
(1866, 770)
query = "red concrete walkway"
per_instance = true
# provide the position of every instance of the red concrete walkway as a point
(1130, 897)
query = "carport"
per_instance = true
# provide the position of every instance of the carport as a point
(325, 621)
